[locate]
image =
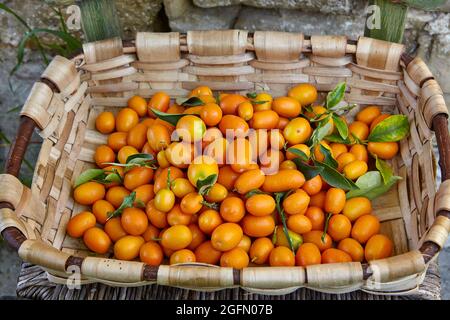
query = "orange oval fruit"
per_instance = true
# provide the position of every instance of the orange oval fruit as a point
(226, 236)
(236, 258)
(134, 221)
(257, 227)
(158, 137)
(360, 152)
(313, 185)
(260, 250)
(116, 195)
(356, 207)
(283, 180)
(339, 227)
(190, 128)
(260, 205)
(230, 103)
(151, 253)
(315, 236)
(232, 209)
(198, 237)
(299, 223)
(378, 247)
(159, 101)
(333, 255)
(97, 240)
(234, 125)
(211, 114)
(114, 229)
(209, 220)
(355, 169)
(281, 257)
(287, 107)
(105, 122)
(137, 176)
(125, 152)
(365, 227)
(368, 114)
(156, 217)
(182, 256)
(308, 254)
(176, 237)
(298, 130)
(245, 110)
(137, 136)
(359, 129)
(128, 247)
(201, 168)
(144, 193)
(343, 159)
(383, 150)
(126, 119)
(191, 203)
(352, 248)
(101, 209)
(227, 177)
(267, 119)
(316, 216)
(296, 203)
(89, 192)
(334, 200)
(117, 140)
(217, 193)
(78, 224)
(205, 253)
(138, 104)
(304, 93)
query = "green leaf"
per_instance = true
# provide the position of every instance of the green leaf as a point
(127, 202)
(251, 95)
(328, 159)
(341, 126)
(191, 102)
(308, 171)
(254, 192)
(320, 133)
(335, 96)
(278, 199)
(259, 102)
(299, 153)
(205, 185)
(385, 170)
(393, 128)
(371, 185)
(113, 177)
(325, 229)
(141, 159)
(168, 117)
(334, 178)
(337, 138)
(87, 176)
(211, 205)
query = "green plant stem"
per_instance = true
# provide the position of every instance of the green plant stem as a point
(99, 19)
(392, 21)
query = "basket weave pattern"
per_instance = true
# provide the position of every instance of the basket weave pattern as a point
(71, 93)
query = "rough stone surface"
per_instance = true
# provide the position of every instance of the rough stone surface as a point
(205, 19)
(333, 6)
(299, 21)
(9, 270)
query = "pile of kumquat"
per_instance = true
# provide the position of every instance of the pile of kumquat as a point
(238, 179)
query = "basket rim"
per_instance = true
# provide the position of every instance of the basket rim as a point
(15, 238)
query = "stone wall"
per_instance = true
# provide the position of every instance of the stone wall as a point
(427, 33)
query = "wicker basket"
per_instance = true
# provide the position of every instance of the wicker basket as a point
(71, 93)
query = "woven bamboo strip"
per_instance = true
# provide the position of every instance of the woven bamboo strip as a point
(438, 233)
(37, 252)
(273, 278)
(60, 72)
(393, 268)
